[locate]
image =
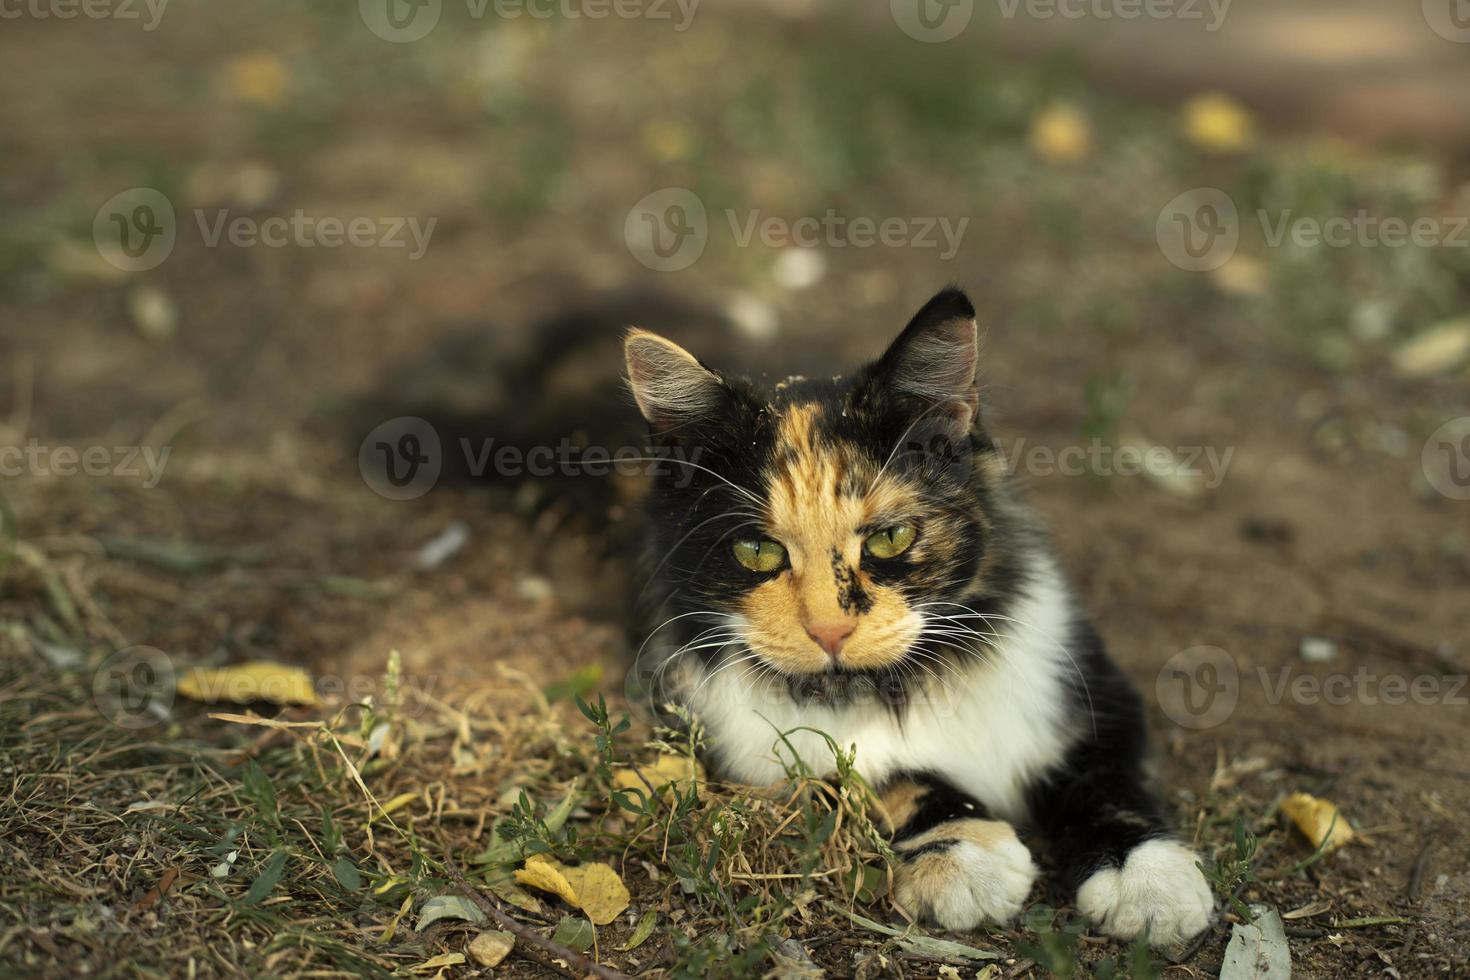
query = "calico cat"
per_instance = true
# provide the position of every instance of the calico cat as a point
(844, 555)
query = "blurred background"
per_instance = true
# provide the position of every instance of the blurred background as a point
(1230, 233)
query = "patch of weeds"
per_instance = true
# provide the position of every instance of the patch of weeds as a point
(1055, 950)
(1229, 876)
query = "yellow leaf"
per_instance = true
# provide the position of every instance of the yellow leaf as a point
(1313, 817)
(595, 888)
(256, 680)
(666, 770)
(1439, 349)
(547, 876)
(261, 79)
(1217, 123)
(397, 803)
(1242, 276)
(1061, 134)
(439, 962)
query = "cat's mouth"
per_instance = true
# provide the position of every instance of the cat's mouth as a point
(845, 687)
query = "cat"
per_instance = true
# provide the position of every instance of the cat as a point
(845, 555)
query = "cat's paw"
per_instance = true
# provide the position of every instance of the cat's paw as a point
(1158, 891)
(964, 873)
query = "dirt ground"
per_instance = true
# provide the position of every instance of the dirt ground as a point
(529, 141)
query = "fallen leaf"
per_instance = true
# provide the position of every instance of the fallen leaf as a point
(448, 907)
(1257, 951)
(438, 963)
(256, 680)
(595, 888)
(392, 926)
(397, 803)
(912, 941)
(347, 874)
(268, 879)
(666, 771)
(1061, 134)
(1437, 350)
(489, 948)
(261, 79)
(1314, 817)
(1217, 123)
(574, 932)
(1242, 276)
(642, 931)
(153, 895)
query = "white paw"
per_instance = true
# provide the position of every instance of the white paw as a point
(968, 883)
(1157, 891)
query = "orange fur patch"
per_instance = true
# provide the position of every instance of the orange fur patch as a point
(898, 804)
(987, 834)
(819, 525)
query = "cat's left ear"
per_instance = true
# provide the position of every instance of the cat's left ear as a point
(930, 369)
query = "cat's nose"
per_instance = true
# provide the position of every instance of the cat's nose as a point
(830, 636)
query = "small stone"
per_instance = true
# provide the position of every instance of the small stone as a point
(489, 948)
(1317, 650)
(798, 268)
(153, 312)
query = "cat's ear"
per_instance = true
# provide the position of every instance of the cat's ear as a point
(671, 387)
(930, 368)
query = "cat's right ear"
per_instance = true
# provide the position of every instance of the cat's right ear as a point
(671, 387)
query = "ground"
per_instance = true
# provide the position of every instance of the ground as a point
(1316, 522)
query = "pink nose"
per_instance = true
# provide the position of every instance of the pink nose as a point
(830, 636)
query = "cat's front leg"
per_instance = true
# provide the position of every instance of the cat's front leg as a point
(957, 867)
(1107, 829)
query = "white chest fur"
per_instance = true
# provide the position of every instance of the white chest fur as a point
(988, 728)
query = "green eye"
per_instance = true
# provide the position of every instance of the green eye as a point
(891, 541)
(760, 556)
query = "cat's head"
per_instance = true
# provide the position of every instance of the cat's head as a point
(827, 525)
